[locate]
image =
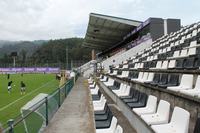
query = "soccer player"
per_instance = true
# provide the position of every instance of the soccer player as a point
(8, 76)
(23, 88)
(9, 86)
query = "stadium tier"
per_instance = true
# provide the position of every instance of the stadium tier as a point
(152, 75)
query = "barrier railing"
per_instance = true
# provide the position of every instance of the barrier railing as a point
(37, 117)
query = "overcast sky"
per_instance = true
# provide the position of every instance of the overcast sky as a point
(53, 19)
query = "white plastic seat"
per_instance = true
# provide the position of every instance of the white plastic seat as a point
(96, 102)
(125, 66)
(95, 90)
(114, 72)
(141, 65)
(150, 106)
(121, 88)
(144, 78)
(92, 85)
(126, 74)
(158, 65)
(149, 79)
(122, 75)
(118, 129)
(124, 92)
(164, 64)
(192, 51)
(195, 91)
(193, 43)
(104, 79)
(100, 106)
(186, 83)
(184, 53)
(172, 64)
(110, 82)
(111, 129)
(176, 54)
(90, 80)
(160, 117)
(179, 122)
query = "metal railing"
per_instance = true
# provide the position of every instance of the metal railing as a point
(37, 117)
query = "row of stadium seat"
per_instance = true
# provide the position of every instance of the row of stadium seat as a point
(175, 82)
(104, 119)
(153, 114)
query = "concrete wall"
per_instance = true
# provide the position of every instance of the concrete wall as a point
(173, 25)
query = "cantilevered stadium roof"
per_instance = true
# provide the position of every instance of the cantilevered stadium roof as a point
(105, 31)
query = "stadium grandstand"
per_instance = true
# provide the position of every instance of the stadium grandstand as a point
(143, 78)
(150, 73)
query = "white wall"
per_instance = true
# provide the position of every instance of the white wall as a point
(126, 55)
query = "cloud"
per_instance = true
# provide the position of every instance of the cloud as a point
(51, 19)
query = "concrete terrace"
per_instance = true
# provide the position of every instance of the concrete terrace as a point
(76, 113)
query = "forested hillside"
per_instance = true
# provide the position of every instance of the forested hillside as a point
(42, 52)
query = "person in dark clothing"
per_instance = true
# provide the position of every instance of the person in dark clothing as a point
(23, 88)
(9, 86)
(8, 76)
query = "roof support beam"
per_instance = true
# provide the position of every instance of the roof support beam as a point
(104, 37)
(101, 27)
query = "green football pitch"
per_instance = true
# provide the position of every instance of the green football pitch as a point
(10, 104)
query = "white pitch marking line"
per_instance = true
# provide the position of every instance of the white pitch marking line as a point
(23, 96)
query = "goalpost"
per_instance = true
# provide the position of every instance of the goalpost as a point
(38, 111)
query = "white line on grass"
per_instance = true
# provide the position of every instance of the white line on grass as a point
(24, 96)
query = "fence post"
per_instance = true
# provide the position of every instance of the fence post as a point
(10, 124)
(46, 104)
(65, 90)
(59, 97)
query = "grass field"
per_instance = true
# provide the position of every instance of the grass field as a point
(10, 104)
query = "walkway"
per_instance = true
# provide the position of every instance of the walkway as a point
(76, 114)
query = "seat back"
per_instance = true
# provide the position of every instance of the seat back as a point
(186, 80)
(156, 78)
(136, 94)
(197, 126)
(189, 63)
(164, 79)
(143, 98)
(122, 86)
(126, 74)
(180, 120)
(192, 51)
(174, 79)
(164, 109)
(118, 129)
(159, 64)
(183, 52)
(127, 90)
(150, 76)
(172, 63)
(165, 64)
(115, 72)
(152, 102)
(179, 63)
(176, 54)
(197, 85)
(113, 124)
(140, 75)
(145, 76)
